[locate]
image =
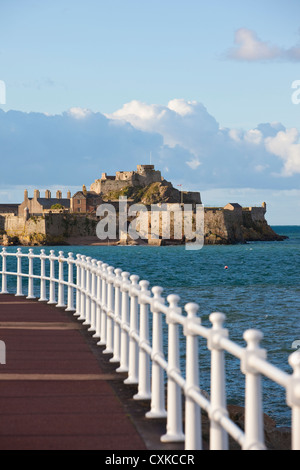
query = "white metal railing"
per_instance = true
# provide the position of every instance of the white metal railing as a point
(117, 308)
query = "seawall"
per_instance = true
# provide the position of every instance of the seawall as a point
(221, 226)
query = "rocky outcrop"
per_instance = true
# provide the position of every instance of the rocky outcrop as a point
(154, 193)
(223, 226)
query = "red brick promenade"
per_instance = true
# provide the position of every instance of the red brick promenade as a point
(54, 393)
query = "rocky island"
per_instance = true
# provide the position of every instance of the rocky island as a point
(73, 220)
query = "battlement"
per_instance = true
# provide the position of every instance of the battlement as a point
(145, 175)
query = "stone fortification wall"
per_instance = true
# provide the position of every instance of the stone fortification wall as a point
(257, 213)
(70, 225)
(2, 222)
(145, 176)
(106, 186)
(215, 228)
(49, 229)
(221, 226)
(18, 226)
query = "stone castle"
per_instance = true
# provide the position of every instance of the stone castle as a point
(144, 176)
(49, 219)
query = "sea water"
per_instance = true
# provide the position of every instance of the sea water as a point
(260, 289)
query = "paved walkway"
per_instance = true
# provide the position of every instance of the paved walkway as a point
(54, 394)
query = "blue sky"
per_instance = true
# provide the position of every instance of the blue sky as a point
(191, 82)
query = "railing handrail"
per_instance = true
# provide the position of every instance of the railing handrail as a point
(117, 307)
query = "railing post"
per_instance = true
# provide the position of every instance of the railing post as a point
(83, 292)
(293, 398)
(193, 431)
(78, 286)
(102, 341)
(19, 273)
(30, 274)
(61, 287)
(144, 389)
(117, 330)
(88, 291)
(174, 399)
(218, 436)
(254, 427)
(4, 268)
(98, 302)
(124, 315)
(43, 296)
(109, 311)
(133, 323)
(93, 295)
(70, 282)
(52, 300)
(158, 409)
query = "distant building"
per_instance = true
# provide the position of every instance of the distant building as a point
(9, 209)
(232, 206)
(42, 205)
(85, 202)
(145, 175)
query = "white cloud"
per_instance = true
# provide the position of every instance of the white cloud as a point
(260, 168)
(250, 48)
(79, 113)
(193, 164)
(183, 123)
(285, 145)
(182, 107)
(266, 151)
(181, 136)
(254, 136)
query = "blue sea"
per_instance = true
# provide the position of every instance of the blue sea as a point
(260, 289)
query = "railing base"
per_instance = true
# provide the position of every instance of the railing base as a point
(142, 397)
(130, 381)
(122, 370)
(107, 351)
(172, 438)
(115, 360)
(156, 414)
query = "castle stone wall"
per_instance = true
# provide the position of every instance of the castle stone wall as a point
(18, 226)
(143, 177)
(258, 214)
